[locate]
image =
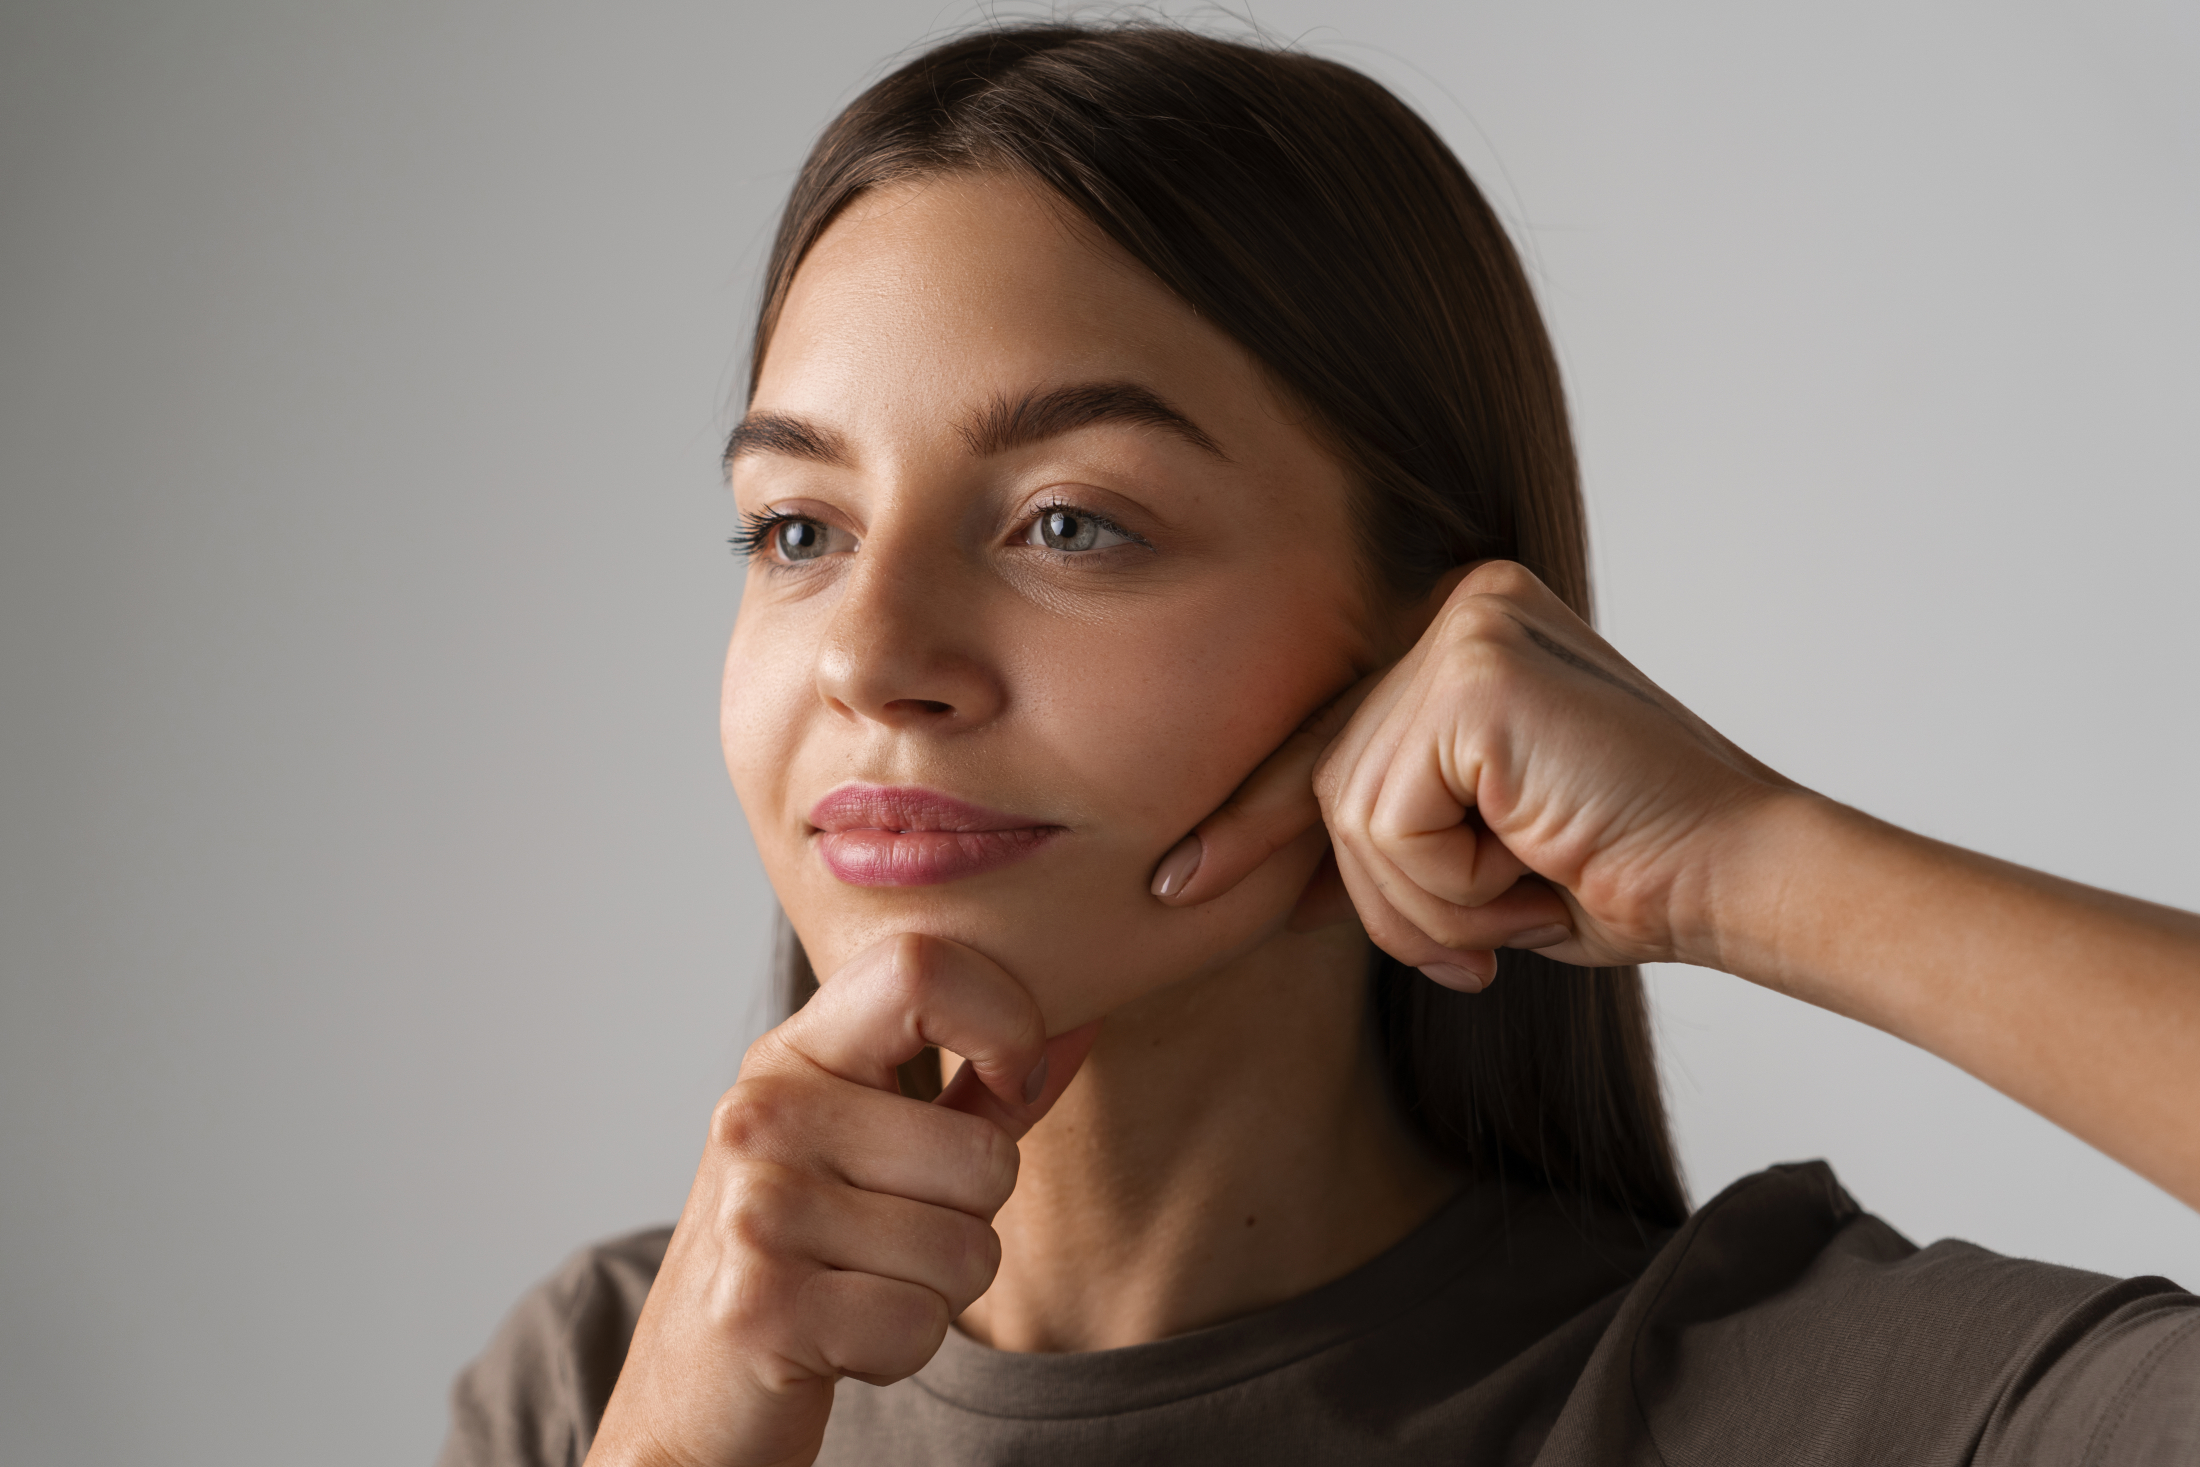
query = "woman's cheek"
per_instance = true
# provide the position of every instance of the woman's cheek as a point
(1158, 745)
(761, 720)
(1084, 975)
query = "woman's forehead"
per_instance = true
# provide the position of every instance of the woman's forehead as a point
(945, 297)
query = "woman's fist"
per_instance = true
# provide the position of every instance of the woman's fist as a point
(836, 1227)
(1510, 782)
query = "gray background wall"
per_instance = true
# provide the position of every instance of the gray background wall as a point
(377, 924)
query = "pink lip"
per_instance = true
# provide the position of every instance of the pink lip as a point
(881, 835)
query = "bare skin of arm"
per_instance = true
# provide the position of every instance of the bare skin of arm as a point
(1513, 781)
(2082, 1004)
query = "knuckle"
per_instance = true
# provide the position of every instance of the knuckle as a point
(760, 1207)
(1501, 578)
(1447, 931)
(752, 1302)
(755, 1117)
(991, 1163)
(1461, 929)
(731, 1120)
(916, 967)
(1474, 620)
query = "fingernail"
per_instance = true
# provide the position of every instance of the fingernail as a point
(1453, 975)
(1549, 936)
(1176, 868)
(1036, 1082)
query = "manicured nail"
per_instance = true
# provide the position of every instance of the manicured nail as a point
(1534, 937)
(1176, 868)
(1035, 1083)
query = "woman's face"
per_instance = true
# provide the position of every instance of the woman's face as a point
(1045, 567)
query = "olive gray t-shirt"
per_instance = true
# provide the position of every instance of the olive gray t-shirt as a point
(1781, 1324)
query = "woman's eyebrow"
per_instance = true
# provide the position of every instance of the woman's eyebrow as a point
(1009, 422)
(777, 433)
(1003, 424)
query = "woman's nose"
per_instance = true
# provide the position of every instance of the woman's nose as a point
(905, 645)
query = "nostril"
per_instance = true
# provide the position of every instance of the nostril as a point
(920, 705)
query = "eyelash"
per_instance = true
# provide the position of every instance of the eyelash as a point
(754, 538)
(757, 528)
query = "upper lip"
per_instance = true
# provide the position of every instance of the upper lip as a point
(906, 808)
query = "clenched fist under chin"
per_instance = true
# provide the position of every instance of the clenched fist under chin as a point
(835, 1226)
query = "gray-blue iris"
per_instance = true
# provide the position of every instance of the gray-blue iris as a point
(1062, 530)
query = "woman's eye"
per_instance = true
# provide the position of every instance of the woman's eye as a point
(785, 539)
(799, 539)
(1073, 530)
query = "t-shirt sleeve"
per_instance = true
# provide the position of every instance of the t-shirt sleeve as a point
(1785, 1324)
(2123, 1392)
(534, 1396)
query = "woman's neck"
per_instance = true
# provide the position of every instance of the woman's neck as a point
(1231, 1143)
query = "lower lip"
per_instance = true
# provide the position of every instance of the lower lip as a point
(926, 857)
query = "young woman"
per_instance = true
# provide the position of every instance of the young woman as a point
(1164, 685)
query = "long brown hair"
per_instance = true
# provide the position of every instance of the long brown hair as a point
(1310, 214)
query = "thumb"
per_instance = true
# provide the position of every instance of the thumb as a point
(1272, 808)
(1063, 1056)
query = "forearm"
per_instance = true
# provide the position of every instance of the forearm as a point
(2079, 1003)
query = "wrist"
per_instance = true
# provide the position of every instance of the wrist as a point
(1757, 899)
